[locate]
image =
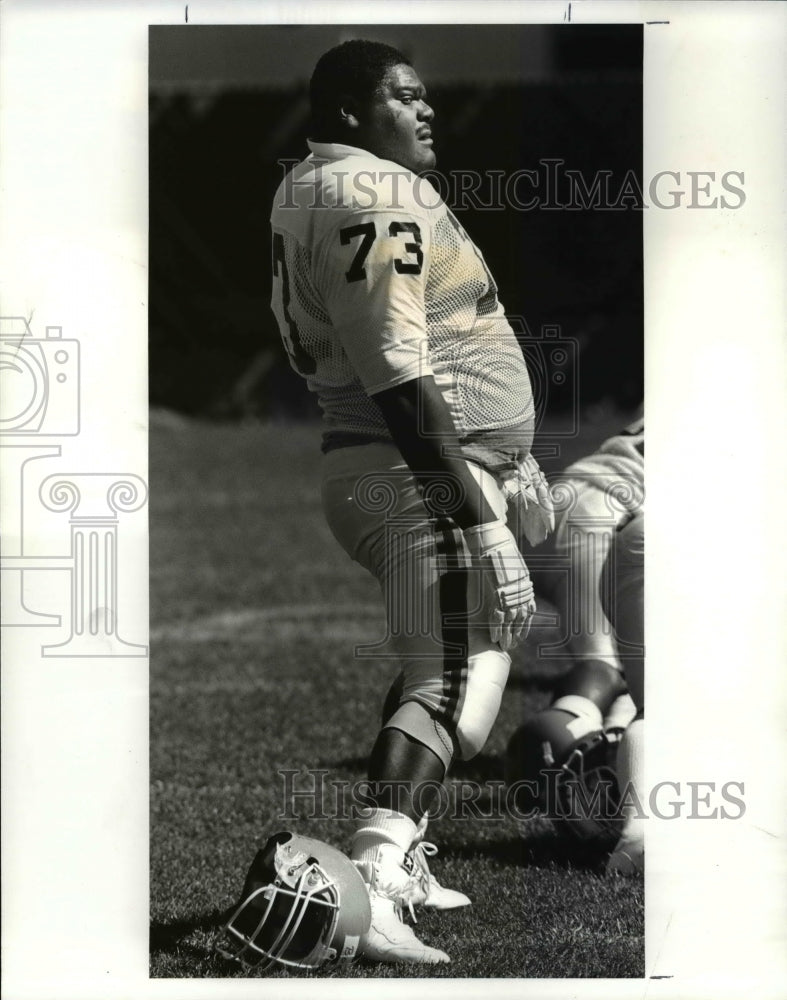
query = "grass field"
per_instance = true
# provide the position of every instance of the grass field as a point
(254, 613)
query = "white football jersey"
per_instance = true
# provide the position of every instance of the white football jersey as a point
(375, 283)
(618, 462)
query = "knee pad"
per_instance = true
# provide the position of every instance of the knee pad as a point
(463, 730)
(623, 582)
(630, 543)
(595, 680)
(487, 673)
(417, 721)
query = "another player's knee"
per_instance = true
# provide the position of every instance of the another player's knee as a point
(594, 679)
(630, 544)
(487, 674)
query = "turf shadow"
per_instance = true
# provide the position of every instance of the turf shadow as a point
(483, 767)
(533, 680)
(544, 849)
(168, 935)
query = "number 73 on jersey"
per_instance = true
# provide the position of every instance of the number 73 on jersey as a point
(362, 238)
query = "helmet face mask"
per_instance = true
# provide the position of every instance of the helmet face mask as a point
(303, 904)
(570, 778)
(587, 791)
(289, 925)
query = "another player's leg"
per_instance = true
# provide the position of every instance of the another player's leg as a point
(595, 681)
(629, 854)
(590, 700)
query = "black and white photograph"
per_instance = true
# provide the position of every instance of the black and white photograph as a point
(377, 362)
(327, 338)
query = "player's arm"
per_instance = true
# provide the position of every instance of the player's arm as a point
(371, 270)
(422, 428)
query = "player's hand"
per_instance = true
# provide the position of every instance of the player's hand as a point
(506, 582)
(528, 490)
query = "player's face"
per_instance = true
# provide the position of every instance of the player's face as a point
(395, 124)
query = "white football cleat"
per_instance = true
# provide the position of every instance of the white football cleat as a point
(390, 940)
(628, 858)
(428, 892)
(391, 888)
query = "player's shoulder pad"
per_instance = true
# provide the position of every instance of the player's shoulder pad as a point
(386, 186)
(367, 188)
(361, 185)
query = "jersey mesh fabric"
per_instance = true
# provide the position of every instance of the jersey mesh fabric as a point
(345, 404)
(617, 468)
(621, 457)
(470, 340)
(469, 345)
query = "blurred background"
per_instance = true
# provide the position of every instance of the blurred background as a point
(228, 103)
(253, 608)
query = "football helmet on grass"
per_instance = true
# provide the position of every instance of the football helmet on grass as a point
(567, 775)
(303, 904)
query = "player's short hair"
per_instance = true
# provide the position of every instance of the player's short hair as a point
(356, 68)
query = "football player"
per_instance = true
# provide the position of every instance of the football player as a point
(389, 311)
(599, 503)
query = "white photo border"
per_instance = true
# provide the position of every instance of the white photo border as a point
(74, 91)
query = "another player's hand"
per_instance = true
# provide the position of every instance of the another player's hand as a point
(506, 581)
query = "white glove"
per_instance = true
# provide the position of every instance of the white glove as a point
(528, 490)
(506, 582)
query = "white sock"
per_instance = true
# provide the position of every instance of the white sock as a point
(583, 708)
(381, 826)
(420, 830)
(621, 712)
(631, 773)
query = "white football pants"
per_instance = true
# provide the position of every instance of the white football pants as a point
(433, 596)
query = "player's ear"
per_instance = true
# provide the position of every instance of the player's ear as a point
(348, 112)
